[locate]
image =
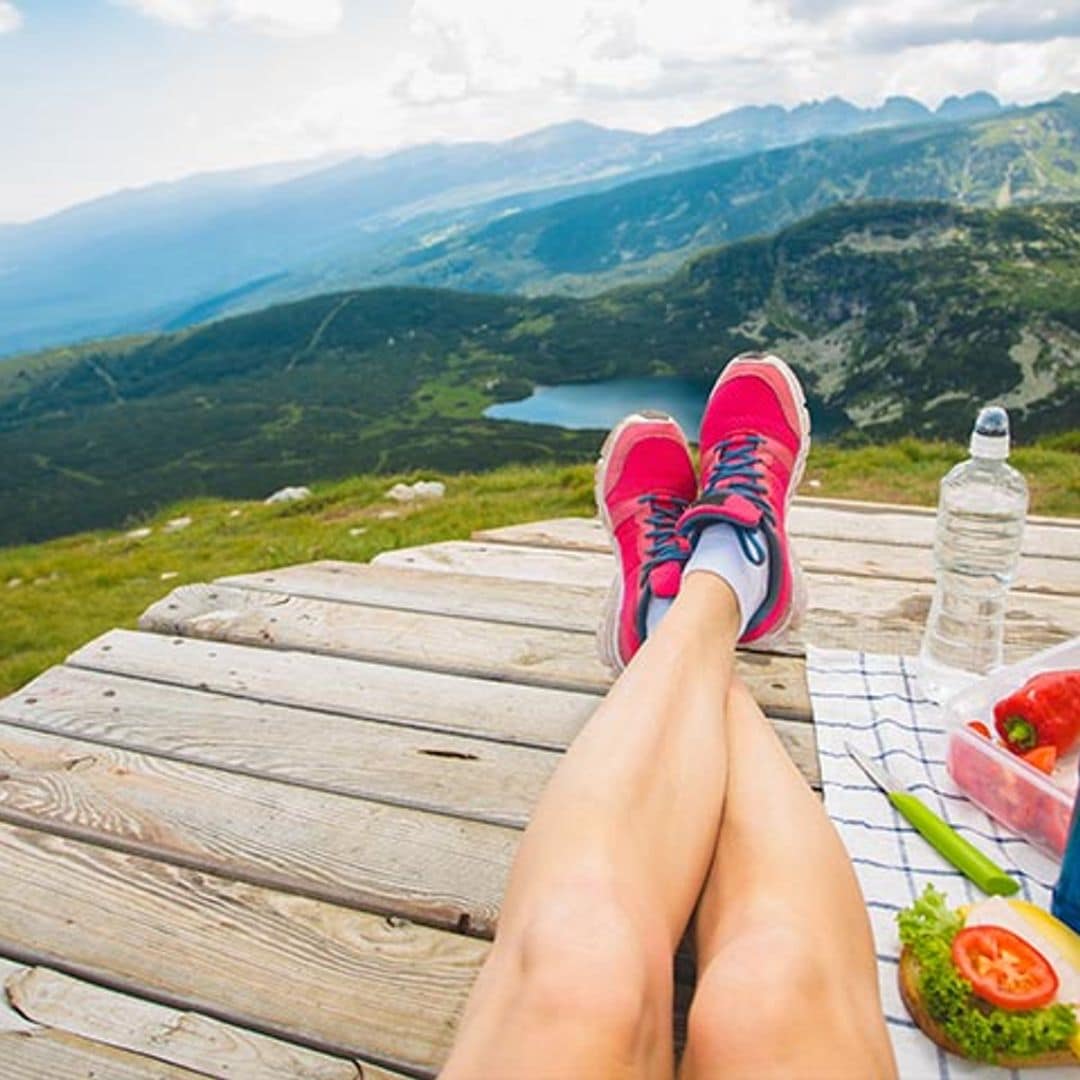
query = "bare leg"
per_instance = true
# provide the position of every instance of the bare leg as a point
(787, 980)
(578, 982)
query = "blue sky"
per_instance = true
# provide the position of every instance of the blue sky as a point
(96, 95)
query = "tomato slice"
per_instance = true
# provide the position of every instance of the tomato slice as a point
(1003, 968)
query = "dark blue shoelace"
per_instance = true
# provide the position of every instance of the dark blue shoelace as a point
(665, 543)
(738, 469)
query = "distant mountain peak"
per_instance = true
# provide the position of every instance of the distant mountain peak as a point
(564, 132)
(968, 106)
(833, 105)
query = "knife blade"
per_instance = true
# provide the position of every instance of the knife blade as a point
(938, 833)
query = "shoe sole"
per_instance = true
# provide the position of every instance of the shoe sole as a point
(797, 606)
(607, 634)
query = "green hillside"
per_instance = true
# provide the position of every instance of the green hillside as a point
(645, 228)
(901, 318)
(58, 595)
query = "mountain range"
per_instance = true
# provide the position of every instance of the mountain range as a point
(176, 254)
(645, 228)
(901, 318)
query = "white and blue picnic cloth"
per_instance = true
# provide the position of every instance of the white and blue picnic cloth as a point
(874, 702)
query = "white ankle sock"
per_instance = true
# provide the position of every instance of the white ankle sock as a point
(657, 609)
(719, 552)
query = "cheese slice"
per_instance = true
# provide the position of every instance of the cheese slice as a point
(1058, 944)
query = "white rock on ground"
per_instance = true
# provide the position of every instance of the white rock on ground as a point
(429, 489)
(422, 489)
(176, 524)
(139, 534)
(288, 495)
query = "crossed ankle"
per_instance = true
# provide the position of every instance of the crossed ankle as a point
(720, 551)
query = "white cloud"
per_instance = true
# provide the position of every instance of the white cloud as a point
(277, 17)
(585, 47)
(590, 51)
(464, 69)
(10, 17)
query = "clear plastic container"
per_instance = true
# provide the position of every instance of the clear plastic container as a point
(1012, 791)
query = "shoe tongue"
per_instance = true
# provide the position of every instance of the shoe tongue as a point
(734, 507)
(664, 579)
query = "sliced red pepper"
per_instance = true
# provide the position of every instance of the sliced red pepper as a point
(1045, 711)
(979, 728)
(1044, 758)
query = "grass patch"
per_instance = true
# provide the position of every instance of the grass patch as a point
(910, 471)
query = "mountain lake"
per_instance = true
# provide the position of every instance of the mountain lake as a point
(601, 405)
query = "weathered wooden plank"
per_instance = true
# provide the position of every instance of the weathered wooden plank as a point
(369, 759)
(56, 1055)
(10, 1020)
(465, 559)
(187, 1039)
(572, 533)
(534, 656)
(336, 979)
(526, 715)
(260, 740)
(571, 607)
(435, 869)
(881, 523)
(72, 701)
(828, 519)
(849, 557)
(869, 507)
(844, 612)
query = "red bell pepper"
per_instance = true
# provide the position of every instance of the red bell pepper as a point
(1045, 711)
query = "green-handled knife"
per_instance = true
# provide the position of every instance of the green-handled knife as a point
(967, 858)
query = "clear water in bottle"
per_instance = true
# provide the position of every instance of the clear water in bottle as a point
(980, 525)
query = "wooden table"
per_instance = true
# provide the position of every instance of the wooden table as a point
(267, 834)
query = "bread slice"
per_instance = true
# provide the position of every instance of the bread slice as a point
(911, 994)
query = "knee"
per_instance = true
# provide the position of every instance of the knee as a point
(776, 994)
(752, 987)
(587, 954)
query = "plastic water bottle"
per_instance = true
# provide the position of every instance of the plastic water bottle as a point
(980, 524)
(1066, 903)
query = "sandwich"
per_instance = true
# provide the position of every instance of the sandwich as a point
(997, 981)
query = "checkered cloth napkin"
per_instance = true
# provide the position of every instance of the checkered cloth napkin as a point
(874, 702)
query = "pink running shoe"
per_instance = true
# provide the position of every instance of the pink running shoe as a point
(644, 481)
(755, 436)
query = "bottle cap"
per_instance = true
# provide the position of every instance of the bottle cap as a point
(990, 436)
